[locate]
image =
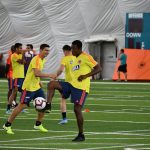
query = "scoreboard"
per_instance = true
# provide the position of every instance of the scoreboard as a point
(137, 31)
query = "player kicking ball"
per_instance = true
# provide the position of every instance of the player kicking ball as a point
(83, 67)
(31, 90)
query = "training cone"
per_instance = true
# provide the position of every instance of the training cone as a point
(87, 110)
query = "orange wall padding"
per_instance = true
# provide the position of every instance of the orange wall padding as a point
(138, 65)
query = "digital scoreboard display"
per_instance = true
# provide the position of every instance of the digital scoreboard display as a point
(135, 25)
(137, 31)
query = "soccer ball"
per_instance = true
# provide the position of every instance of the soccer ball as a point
(39, 103)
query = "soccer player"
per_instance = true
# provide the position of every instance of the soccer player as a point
(83, 67)
(8, 72)
(32, 89)
(29, 54)
(123, 64)
(18, 73)
(66, 63)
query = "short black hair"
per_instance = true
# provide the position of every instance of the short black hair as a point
(66, 48)
(17, 45)
(78, 43)
(122, 50)
(42, 46)
(30, 45)
(12, 48)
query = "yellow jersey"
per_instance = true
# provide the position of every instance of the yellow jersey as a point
(67, 61)
(82, 65)
(17, 68)
(31, 82)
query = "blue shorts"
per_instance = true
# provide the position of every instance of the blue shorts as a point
(10, 83)
(17, 82)
(78, 96)
(27, 96)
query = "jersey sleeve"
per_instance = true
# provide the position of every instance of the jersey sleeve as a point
(14, 58)
(63, 61)
(90, 61)
(35, 62)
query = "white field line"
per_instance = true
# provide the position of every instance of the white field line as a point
(13, 147)
(144, 148)
(129, 149)
(116, 96)
(97, 92)
(116, 91)
(62, 143)
(56, 137)
(111, 112)
(97, 89)
(126, 99)
(108, 105)
(120, 99)
(134, 83)
(120, 112)
(91, 133)
(103, 97)
(126, 121)
(144, 138)
(107, 91)
(95, 148)
(142, 87)
(61, 137)
(40, 138)
(40, 144)
(93, 104)
(106, 147)
(107, 112)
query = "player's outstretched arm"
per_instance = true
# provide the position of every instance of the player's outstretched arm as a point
(38, 73)
(60, 70)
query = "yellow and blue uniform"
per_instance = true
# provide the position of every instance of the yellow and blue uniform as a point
(67, 61)
(17, 71)
(81, 65)
(31, 85)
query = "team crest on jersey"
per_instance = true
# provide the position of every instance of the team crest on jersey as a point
(79, 61)
(71, 61)
(77, 67)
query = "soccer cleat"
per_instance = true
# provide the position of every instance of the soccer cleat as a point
(8, 129)
(63, 121)
(47, 111)
(48, 106)
(79, 138)
(8, 111)
(40, 128)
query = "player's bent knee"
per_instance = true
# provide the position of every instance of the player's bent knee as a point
(54, 85)
(77, 108)
(51, 84)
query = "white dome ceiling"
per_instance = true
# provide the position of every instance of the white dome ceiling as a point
(59, 22)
